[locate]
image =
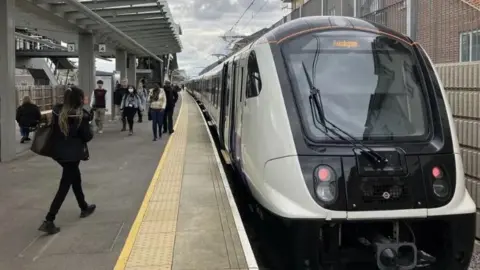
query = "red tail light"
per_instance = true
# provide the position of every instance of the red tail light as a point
(324, 174)
(437, 173)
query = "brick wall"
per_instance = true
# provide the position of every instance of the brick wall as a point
(462, 83)
(440, 23)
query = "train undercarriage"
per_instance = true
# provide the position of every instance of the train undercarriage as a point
(443, 243)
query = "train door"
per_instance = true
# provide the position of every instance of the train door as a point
(232, 99)
(240, 100)
(228, 94)
(223, 104)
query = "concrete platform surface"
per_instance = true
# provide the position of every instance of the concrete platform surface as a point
(186, 221)
(116, 179)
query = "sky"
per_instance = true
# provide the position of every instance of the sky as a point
(204, 21)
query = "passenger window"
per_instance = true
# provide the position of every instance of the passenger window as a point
(254, 82)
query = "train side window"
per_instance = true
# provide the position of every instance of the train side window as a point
(254, 81)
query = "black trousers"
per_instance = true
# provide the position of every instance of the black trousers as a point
(140, 115)
(168, 120)
(127, 116)
(70, 177)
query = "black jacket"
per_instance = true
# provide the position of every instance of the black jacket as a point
(172, 97)
(74, 146)
(28, 115)
(119, 94)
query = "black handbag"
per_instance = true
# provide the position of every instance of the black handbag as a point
(43, 142)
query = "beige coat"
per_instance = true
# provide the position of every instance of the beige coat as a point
(161, 103)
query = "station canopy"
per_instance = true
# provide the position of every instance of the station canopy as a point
(143, 27)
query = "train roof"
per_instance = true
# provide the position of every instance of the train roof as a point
(312, 23)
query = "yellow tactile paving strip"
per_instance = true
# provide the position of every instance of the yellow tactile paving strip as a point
(151, 239)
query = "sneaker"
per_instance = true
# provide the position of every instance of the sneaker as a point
(154, 139)
(49, 227)
(123, 129)
(100, 132)
(23, 140)
(87, 212)
(28, 139)
(130, 133)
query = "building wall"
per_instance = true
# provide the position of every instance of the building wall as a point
(440, 23)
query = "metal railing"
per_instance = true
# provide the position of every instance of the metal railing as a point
(44, 96)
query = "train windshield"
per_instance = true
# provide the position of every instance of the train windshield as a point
(368, 85)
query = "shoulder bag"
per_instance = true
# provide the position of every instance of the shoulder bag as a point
(43, 142)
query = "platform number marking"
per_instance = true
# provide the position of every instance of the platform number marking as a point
(102, 48)
(71, 47)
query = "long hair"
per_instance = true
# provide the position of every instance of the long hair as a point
(156, 92)
(72, 103)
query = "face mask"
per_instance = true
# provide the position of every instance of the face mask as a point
(130, 90)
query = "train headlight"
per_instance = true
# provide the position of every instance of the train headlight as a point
(325, 184)
(440, 186)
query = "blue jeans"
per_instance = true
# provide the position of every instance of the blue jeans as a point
(157, 121)
(24, 131)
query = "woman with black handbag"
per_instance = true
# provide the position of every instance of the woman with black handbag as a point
(71, 131)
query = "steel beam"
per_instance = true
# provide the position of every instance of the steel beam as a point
(113, 12)
(147, 31)
(124, 18)
(142, 28)
(149, 34)
(61, 7)
(162, 21)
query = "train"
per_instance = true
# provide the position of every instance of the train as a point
(341, 129)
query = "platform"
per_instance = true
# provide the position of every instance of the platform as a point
(151, 214)
(186, 221)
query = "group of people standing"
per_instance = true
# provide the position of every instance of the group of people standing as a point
(158, 102)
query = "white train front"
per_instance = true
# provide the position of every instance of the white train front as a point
(341, 128)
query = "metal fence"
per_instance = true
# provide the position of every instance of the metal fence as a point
(449, 30)
(44, 96)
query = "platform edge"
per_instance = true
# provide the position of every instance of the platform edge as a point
(245, 242)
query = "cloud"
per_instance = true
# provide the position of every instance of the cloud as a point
(203, 22)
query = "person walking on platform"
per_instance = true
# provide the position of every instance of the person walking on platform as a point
(142, 93)
(118, 96)
(171, 97)
(28, 116)
(131, 103)
(99, 105)
(158, 103)
(70, 135)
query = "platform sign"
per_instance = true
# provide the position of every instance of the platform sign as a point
(102, 48)
(71, 47)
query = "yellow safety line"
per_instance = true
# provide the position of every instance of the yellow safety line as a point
(132, 235)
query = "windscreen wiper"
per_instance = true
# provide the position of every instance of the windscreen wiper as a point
(315, 99)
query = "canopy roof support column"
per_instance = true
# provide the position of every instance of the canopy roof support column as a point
(132, 69)
(86, 63)
(7, 77)
(121, 63)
